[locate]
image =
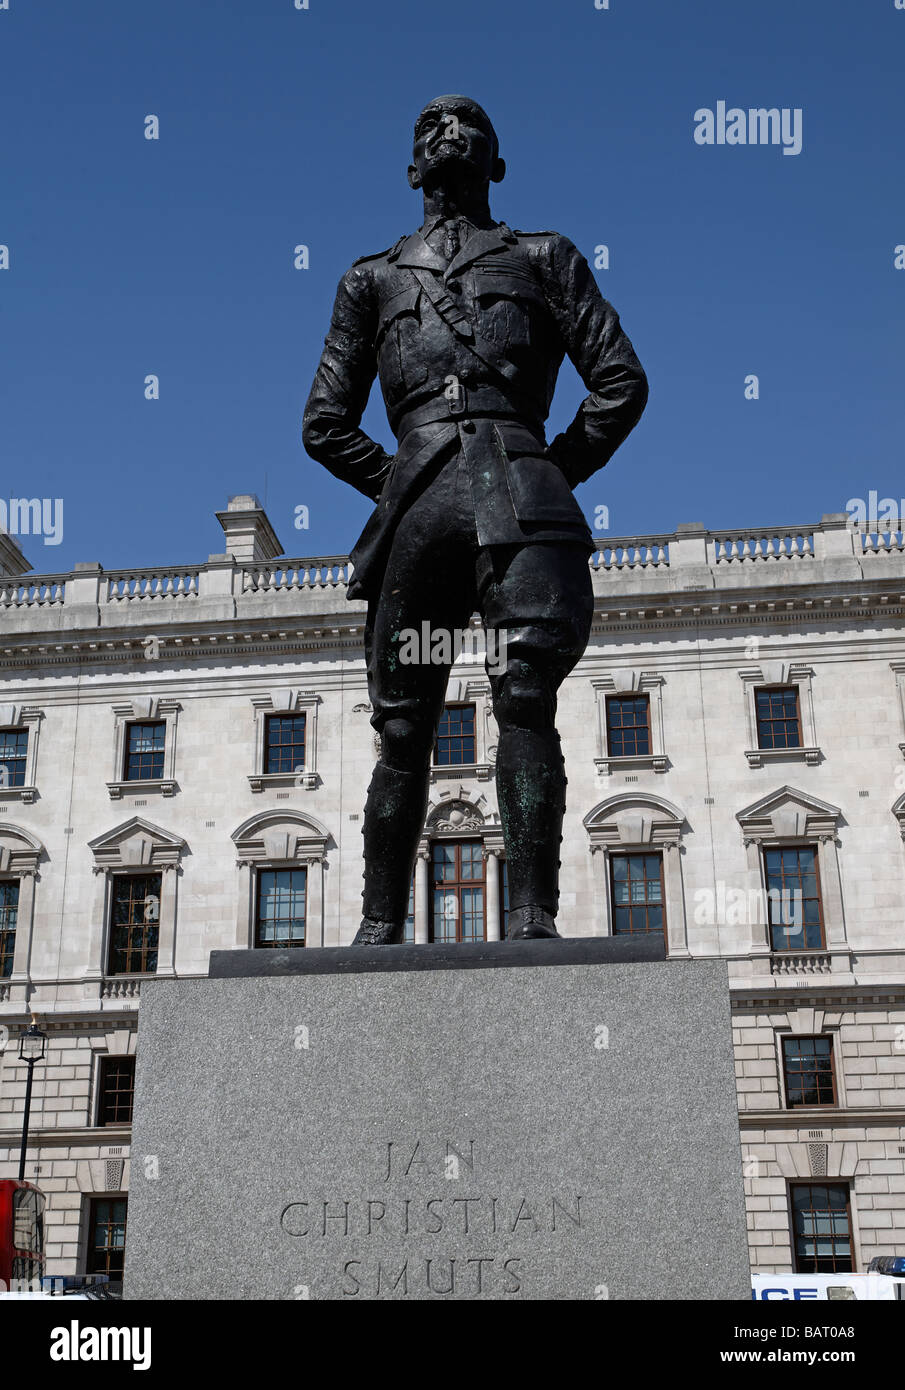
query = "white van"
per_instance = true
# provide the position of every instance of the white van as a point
(804, 1288)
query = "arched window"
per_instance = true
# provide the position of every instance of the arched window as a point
(459, 888)
(281, 855)
(635, 841)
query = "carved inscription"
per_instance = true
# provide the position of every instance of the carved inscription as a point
(449, 1201)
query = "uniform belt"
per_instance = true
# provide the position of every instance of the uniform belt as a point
(458, 400)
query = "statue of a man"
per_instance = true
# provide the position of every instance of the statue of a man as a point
(467, 322)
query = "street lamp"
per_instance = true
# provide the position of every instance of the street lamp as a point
(31, 1050)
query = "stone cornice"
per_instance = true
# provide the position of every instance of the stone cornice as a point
(830, 995)
(113, 1136)
(829, 1118)
(662, 612)
(224, 639)
(220, 639)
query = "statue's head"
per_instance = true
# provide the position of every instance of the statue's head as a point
(454, 136)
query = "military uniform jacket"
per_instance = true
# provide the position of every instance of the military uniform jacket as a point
(479, 339)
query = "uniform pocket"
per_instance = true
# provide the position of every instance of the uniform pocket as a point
(507, 307)
(400, 352)
(538, 487)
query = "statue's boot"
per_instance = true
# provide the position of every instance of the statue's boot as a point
(530, 923)
(393, 824)
(531, 789)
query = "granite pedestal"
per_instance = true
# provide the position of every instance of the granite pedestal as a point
(525, 1121)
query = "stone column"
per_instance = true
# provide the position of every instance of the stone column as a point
(421, 896)
(95, 968)
(492, 894)
(314, 901)
(24, 927)
(600, 868)
(831, 890)
(166, 921)
(760, 942)
(676, 925)
(244, 905)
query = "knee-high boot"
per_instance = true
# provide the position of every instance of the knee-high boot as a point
(393, 822)
(531, 789)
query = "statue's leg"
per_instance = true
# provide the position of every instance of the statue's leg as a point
(407, 701)
(538, 608)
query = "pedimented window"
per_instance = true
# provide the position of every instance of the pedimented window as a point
(635, 841)
(282, 855)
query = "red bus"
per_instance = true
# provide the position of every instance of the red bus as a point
(21, 1233)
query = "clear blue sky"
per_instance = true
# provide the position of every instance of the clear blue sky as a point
(279, 127)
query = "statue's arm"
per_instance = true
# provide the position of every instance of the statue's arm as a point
(342, 384)
(603, 357)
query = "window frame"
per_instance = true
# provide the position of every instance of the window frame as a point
(770, 675)
(453, 766)
(792, 1039)
(11, 935)
(18, 732)
(115, 880)
(148, 710)
(298, 762)
(628, 684)
(105, 1063)
(284, 702)
(772, 690)
(822, 1182)
(154, 753)
(652, 853)
(92, 1203)
(277, 869)
(610, 703)
(457, 883)
(782, 846)
(23, 719)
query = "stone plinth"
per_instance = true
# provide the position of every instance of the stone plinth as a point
(512, 1128)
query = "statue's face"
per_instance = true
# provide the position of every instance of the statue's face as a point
(450, 132)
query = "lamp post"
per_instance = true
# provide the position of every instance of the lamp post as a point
(31, 1050)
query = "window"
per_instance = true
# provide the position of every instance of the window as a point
(807, 1064)
(457, 897)
(778, 718)
(144, 751)
(281, 907)
(107, 1236)
(284, 740)
(793, 898)
(638, 898)
(456, 737)
(144, 747)
(9, 912)
(134, 924)
(115, 1090)
(628, 726)
(13, 752)
(821, 1228)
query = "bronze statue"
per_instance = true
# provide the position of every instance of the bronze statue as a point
(467, 322)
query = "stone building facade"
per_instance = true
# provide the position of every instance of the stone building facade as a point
(183, 760)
